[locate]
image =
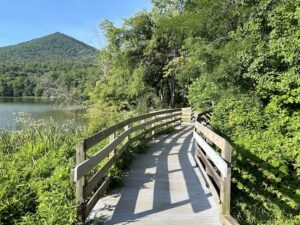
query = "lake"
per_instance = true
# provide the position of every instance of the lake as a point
(34, 109)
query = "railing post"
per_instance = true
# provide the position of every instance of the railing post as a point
(165, 120)
(173, 118)
(126, 128)
(153, 125)
(193, 115)
(80, 157)
(225, 191)
(111, 138)
(180, 121)
(186, 114)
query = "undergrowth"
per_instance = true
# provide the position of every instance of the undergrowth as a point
(35, 166)
(265, 176)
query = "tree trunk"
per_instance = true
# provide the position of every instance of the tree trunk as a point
(171, 83)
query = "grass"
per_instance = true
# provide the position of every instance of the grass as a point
(35, 166)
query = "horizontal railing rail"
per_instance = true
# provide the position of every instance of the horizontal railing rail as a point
(204, 118)
(213, 156)
(87, 191)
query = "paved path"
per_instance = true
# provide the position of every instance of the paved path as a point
(162, 187)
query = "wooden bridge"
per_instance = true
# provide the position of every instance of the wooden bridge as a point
(183, 178)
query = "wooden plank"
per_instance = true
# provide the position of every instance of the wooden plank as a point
(139, 136)
(205, 117)
(187, 114)
(84, 167)
(92, 202)
(205, 120)
(225, 191)
(207, 179)
(209, 167)
(161, 125)
(79, 187)
(94, 181)
(228, 220)
(91, 162)
(188, 109)
(141, 126)
(125, 129)
(98, 137)
(202, 113)
(210, 152)
(212, 136)
(153, 130)
(111, 138)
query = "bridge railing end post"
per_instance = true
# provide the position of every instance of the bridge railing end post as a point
(79, 186)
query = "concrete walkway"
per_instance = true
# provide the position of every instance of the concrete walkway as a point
(163, 187)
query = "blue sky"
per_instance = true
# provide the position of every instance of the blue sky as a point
(23, 20)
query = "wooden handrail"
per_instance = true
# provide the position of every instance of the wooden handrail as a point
(96, 138)
(214, 165)
(218, 161)
(157, 120)
(87, 165)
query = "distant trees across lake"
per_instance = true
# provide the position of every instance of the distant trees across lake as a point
(33, 68)
(33, 78)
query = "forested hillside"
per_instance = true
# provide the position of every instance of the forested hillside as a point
(44, 65)
(53, 46)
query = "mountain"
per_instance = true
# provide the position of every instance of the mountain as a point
(34, 67)
(53, 46)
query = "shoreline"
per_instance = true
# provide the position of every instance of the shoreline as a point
(37, 97)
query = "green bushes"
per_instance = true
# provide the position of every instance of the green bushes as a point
(35, 167)
(265, 180)
(266, 157)
(251, 87)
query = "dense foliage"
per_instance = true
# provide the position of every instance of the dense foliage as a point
(250, 79)
(47, 65)
(35, 167)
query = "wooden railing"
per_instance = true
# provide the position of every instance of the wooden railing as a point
(213, 156)
(189, 115)
(120, 136)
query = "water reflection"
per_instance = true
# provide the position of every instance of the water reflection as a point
(36, 109)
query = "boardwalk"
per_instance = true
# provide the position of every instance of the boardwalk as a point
(163, 186)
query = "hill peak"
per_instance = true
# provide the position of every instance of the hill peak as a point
(52, 46)
(58, 34)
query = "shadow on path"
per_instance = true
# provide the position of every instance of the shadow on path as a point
(162, 179)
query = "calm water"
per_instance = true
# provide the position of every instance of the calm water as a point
(32, 109)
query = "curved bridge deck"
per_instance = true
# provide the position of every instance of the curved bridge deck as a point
(162, 187)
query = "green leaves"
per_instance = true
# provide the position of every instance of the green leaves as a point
(250, 79)
(35, 177)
